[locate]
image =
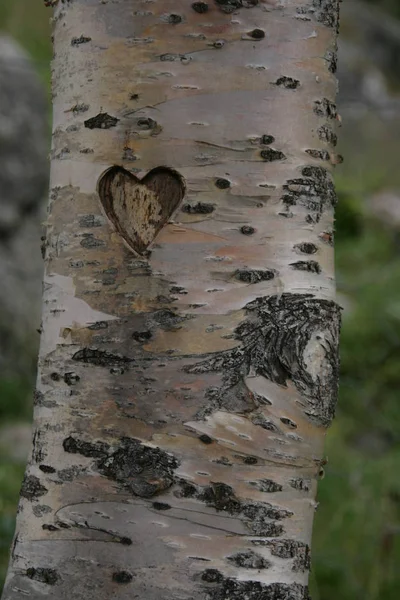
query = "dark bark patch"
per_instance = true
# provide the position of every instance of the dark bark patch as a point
(71, 378)
(249, 560)
(275, 338)
(306, 248)
(200, 7)
(32, 488)
(288, 422)
(315, 191)
(89, 242)
(161, 506)
(304, 485)
(267, 139)
(79, 109)
(331, 58)
(222, 184)
(122, 577)
(325, 108)
(47, 527)
(247, 230)
(201, 208)
(327, 12)
(249, 460)
(101, 121)
(266, 485)
(229, 6)
(167, 319)
(254, 275)
(90, 450)
(41, 509)
(307, 265)
(90, 221)
(125, 541)
(47, 469)
(146, 123)
(83, 39)
(177, 289)
(174, 19)
(326, 134)
(70, 473)
(38, 453)
(259, 517)
(285, 548)
(319, 154)
(98, 325)
(232, 589)
(205, 439)
(47, 576)
(142, 336)
(100, 358)
(144, 471)
(257, 34)
(270, 155)
(287, 82)
(212, 576)
(261, 421)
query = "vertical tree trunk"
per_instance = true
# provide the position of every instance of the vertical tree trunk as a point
(188, 364)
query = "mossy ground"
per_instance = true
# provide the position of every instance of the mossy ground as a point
(356, 546)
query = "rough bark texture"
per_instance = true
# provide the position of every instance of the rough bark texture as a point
(188, 364)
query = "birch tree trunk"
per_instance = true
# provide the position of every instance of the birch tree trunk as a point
(188, 364)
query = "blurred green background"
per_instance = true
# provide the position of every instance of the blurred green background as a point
(356, 548)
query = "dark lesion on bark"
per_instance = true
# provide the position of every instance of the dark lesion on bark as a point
(142, 470)
(229, 588)
(100, 358)
(274, 340)
(287, 82)
(254, 275)
(299, 483)
(200, 208)
(266, 485)
(249, 560)
(101, 121)
(44, 575)
(32, 488)
(122, 577)
(314, 191)
(325, 108)
(286, 548)
(312, 266)
(326, 134)
(318, 154)
(260, 518)
(230, 6)
(323, 11)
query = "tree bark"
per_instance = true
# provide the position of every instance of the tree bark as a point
(188, 364)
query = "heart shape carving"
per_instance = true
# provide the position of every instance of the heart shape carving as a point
(139, 208)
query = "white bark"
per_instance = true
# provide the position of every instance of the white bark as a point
(184, 385)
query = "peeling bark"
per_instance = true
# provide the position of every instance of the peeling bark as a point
(188, 363)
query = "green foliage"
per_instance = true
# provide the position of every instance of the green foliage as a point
(15, 395)
(27, 21)
(10, 481)
(356, 544)
(392, 6)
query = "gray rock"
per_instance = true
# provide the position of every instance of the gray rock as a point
(23, 183)
(369, 60)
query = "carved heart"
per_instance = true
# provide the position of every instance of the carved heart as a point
(139, 209)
